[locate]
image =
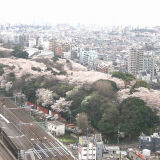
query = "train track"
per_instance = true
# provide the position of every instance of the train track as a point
(5, 154)
(34, 133)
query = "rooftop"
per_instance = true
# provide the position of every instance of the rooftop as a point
(56, 123)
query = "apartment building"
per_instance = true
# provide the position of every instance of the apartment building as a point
(88, 57)
(90, 148)
(135, 60)
(149, 64)
(86, 149)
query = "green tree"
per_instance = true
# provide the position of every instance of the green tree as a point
(77, 98)
(1, 71)
(12, 77)
(139, 83)
(109, 121)
(132, 116)
(20, 54)
(104, 88)
(30, 87)
(40, 48)
(82, 121)
(62, 89)
(124, 76)
(92, 105)
(136, 117)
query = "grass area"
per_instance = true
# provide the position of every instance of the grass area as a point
(68, 139)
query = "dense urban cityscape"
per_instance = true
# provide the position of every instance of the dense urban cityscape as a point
(45, 68)
(79, 80)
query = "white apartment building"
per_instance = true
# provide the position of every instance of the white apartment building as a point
(90, 148)
(88, 57)
(87, 151)
(56, 127)
(135, 60)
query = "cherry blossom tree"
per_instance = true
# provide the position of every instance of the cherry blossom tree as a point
(45, 97)
(61, 105)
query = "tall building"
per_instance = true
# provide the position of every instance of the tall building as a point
(149, 64)
(149, 72)
(135, 60)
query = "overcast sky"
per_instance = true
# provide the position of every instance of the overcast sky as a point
(102, 12)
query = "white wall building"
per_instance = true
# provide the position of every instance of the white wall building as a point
(88, 57)
(87, 152)
(32, 42)
(56, 127)
(67, 55)
(32, 51)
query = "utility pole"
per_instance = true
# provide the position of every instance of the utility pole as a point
(15, 100)
(4, 112)
(118, 135)
(70, 116)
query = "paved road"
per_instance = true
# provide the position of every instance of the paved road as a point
(4, 154)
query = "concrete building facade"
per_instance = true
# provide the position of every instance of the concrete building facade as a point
(86, 149)
(150, 142)
(135, 60)
(88, 57)
(90, 148)
(56, 127)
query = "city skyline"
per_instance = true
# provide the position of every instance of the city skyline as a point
(102, 12)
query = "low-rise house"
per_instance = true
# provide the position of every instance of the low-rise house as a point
(150, 142)
(111, 152)
(145, 76)
(67, 55)
(57, 128)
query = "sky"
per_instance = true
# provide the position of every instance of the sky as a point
(100, 12)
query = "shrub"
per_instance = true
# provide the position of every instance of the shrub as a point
(36, 69)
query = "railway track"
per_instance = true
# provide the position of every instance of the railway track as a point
(45, 146)
(5, 154)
